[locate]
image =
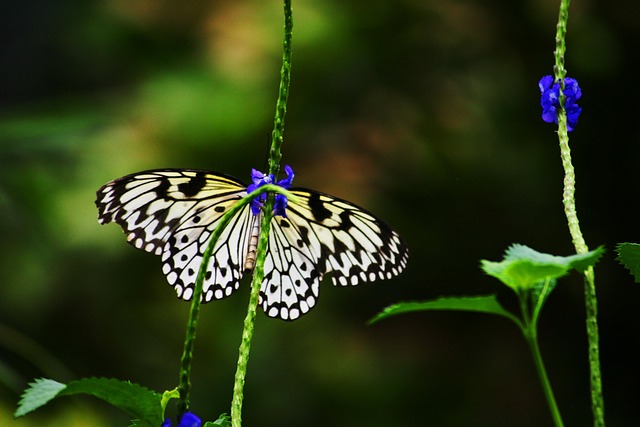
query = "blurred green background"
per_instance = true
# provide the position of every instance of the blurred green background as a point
(423, 111)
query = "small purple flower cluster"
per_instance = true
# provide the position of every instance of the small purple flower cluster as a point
(188, 419)
(259, 179)
(551, 104)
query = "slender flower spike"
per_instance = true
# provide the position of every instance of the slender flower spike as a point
(549, 100)
(188, 420)
(259, 179)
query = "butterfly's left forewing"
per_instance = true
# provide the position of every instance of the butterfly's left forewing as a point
(172, 213)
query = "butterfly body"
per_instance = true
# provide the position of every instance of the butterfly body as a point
(253, 247)
(172, 213)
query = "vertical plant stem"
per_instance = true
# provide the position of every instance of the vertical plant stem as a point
(249, 322)
(277, 138)
(591, 301)
(529, 329)
(184, 385)
(532, 340)
(568, 200)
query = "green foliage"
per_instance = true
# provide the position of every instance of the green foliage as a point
(629, 257)
(39, 393)
(540, 293)
(143, 404)
(531, 274)
(524, 269)
(167, 396)
(480, 304)
(223, 420)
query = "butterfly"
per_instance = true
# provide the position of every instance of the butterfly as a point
(173, 212)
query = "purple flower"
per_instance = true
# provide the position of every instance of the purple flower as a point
(188, 419)
(259, 179)
(551, 104)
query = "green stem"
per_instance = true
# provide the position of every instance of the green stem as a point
(591, 305)
(532, 340)
(529, 329)
(184, 385)
(249, 322)
(591, 301)
(568, 200)
(561, 32)
(277, 138)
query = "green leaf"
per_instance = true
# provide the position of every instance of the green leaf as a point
(223, 420)
(580, 262)
(523, 268)
(521, 274)
(143, 404)
(629, 257)
(480, 304)
(40, 392)
(167, 396)
(140, 402)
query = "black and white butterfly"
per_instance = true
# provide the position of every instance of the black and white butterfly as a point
(172, 213)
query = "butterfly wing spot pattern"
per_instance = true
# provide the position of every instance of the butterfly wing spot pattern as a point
(173, 212)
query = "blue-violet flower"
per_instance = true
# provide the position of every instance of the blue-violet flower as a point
(259, 179)
(550, 102)
(188, 419)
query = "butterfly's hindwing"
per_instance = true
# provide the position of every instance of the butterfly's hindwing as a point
(292, 280)
(183, 255)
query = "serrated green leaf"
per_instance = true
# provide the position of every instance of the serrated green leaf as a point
(143, 404)
(629, 257)
(580, 262)
(479, 304)
(523, 268)
(40, 392)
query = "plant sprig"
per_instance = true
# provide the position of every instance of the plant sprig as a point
(192, 323)
(275, 154)
(532, 276)
(569, 202)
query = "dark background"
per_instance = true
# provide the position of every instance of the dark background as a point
(425, 112)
